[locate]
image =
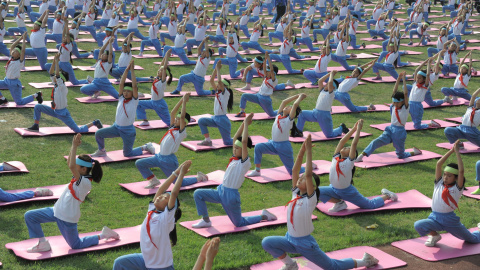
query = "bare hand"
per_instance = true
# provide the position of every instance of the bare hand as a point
(77, 139)
(213, 248)
(185, 166)
(249, 119)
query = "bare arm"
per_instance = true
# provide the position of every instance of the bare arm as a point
(72, 157)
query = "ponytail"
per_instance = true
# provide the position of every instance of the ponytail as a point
(170, 77)
(316, 178)
(173, 233)
(96, 170)
(294, 131)
(230, 99)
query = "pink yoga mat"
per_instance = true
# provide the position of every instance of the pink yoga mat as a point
(157, 124)
(343, 109)
(456, 119)
(45, 85)
(319, 136)
(448, 248)
(257, 116)
(101, 99)
(407, 53)
(20, 167)
(57, 192)
(223, 225)
(409, 125)
(36, 68)
(390, 158)
(458, 102)
(192, 94)
(280, 173)
(214, 179)
(385, 260)
(88, 68)
(385, 79)
(411, 199)
(217, 144)
(468, 192)
(47, 131)
(60, 248)
(13, 105)
(117, 156)
(469, 147)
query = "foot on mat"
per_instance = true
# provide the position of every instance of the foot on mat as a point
(240, 114)
(202, 224)
(292, 266)
(201, 177)
(432, 240)
(205, 143)
(40, 247)
(369, 260)
(268, 215)
(476, 192)
(99, 153)
(108, 233)
(43, 192)
(152, 183)
(339, 206)
(254, 173)
(393, 197)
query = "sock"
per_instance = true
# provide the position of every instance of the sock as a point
(208, 139)
(206, 219)
(42, 239)
(35, 95)
(257, 169)
(361, 263)
(144, 147)
(287, 260)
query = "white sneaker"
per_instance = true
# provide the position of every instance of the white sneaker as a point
(447, 100)
(314, 166)
(89, 79)
(434, 124)
(393, 197)
(202, 224)
(275, 51)
(108, 233)
(201, 177)
(140, 54)
(141, 95)
(40, 247)
(270, 43)
(432, 240)
(152, 183)
(96, 94)
(144, 123)
(50, 32)
(99, 153)
(289, 83)
(42, 192)
(339, 206)
(293, 266)
(269, 215)
(359, 158)
(150, 148)
(247, 51)
(369, 260)
(246, 87)
(454, 98)
(371, 107)
(254, 173)
(417, 151)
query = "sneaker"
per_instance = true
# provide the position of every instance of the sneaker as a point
(246, 87)
(152, 183)
(432, 240)
(50, 32)
(254, 173)
(369, 260)
(476, 192)
(269, 215)
(461, 146)
(374, 37)
(378, 78)
(341, 205)
(371, 107)
(314, 166)
(364, 45)
(205, 143)
(434, 124)
(448, 100)
(410, 43)
(307, 56)
(108, 233)
(270, 43)
(3, 101)
(246, 51)
(359, 158)
(393, 197)
(144, 123)
(315, 41)
(39, 97)
(175, 92)
(289, 83)
(417, 151)
(202, 224)
(345, 130)
(42, 192)
(352, 55)
(454, 98)
(201, 177)
(275, 51)
(97, 123)
(241, 114)
(150, 148)
(293, 266)
(89, 79)
(34, 128)
(96, 94)
(40, 247)
(298, 134)
(140, 54)
(99, 153)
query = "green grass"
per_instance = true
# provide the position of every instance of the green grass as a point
(110, 205)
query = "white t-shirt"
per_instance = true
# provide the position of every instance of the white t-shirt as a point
(221, 102)
(126, 112)
(113, 21)
(58, 26)
(65, 50)
(310, 11)
(89, 19)
(160, 86)
(466, 118)
(302, 214)
(232, 49)
(60, 94)
(221, 30)
(153, 31)
(124, 59)
(347, 85)
(267, 87)
(258, 70)
(438, 205)
(450, 58)
(352, 30)
(327, 24)
(441, 41)
(107, 14)
(286, 46)
(461, 81)
(391, 57)
(67, 208)
(179, 41)
(20, 19)
(12, 69)
(235, 173)
(417, 94)
(172, 28)
(200, 31)
(132, 23)
(402, 116)
(281, 128)
(342, 48)
(102, 69)
(43, 7)
(280, 27)
(74, 32)
(244, 19)
(3, 32)
(37, 39)
(255, 35)
(201, 66)
(325, 100)
(305, 31)
(337, 180)
(376, 13)
(191, 18)
(170, 144)
(322, 63)
(380, 25)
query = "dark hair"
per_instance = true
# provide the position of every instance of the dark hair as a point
(249, 143)
(275, 69)
(187, 117)
(65, 74)
(96, 170)
(294, 130)
(178, 215)
(398, 95)
(354, 167)
(230, 98)
(170, 76)
(259, 58)
(316, 178)
(336, 83)
(211, 51)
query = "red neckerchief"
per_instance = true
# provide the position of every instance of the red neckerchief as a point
(231, 159)
(230, 44)
(320, 61)
(201, 61)
(388, 54)
(149, 217)
(101, 65)
(461, 80)
(260, 73)
(106, 37)
(65, 47)
(33, 31)
(303, 29)
(125, 101)
(223, 31)
(450, 55)
(294, 201)
(8, 63)
(285, 42)
(267, 83)
(337, 167)
(70, 187)
(353, 27)
(472, 115)
(53, 105)
(447, 197)
(398, 117)
(218, 99)
(171, 133)
(412, 15)
(88, 14)
(154, 87)
(421, 86)
(18, 15)
(171, 22)
(280, 117)
(131, 18)
(58, 20)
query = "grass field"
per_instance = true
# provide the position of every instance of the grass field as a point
(110, 205)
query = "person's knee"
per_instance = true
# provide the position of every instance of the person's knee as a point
(29, 215)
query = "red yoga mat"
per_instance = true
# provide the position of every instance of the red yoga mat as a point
(57, 192)
(456, 119)
(20, 167)
(385, 260)
(409, 125)
(13, 105)
(223, 225)
(217, 144)
(319, 136)
(469, 147)
(411, 199)
(468, 192)
(280, 173)
(390, 158)
(448, 248)
(117, 156)
(101, 99)
(60, 248)
(158, 124)
(47, 131)
(214, 179)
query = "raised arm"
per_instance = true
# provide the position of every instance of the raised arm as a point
(204, 42)
(286, 101)
(124, 79)
(72, 157)
(246, 123)
(353, 147)
(66, 33)
(345, 138)
(110, 49)
(295, 105)
(185, 99)
(474, 96)
(369, 66)
(178, 184)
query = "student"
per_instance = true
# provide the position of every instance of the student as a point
(477, 171)
(90, 17)
(20, 21)
(450, 57)
(391, 58)
(322, 112)
(447, 191)
(286, 50)
(124, 118)
(153, 37)
(166, 159)
(24, 195)
(279, 29)
(227, 193)
(395, 133)
(340, 55)
(179, 43)
(352, 32)
(256, 68)
(132, 26)
(158, 232)
(66, 211)
(305, 34)
(220, 32)
(321, 66)
(157, 102)
(197, 75)
(470, 121)
(37, 41)
(123, 61)
(200, 34)
(74, 31)
(223, 103)
(58, 107)
(172, 27)
(279, 144)
(421, 32)
(231, 52)
(379, 30)
(253, 43)
(300, 227)
(459, 88)
(58, 26)
(12, 75)
(441, 40)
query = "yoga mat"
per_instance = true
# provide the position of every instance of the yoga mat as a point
(343, 109)
(60, 248)
(217, 144)
(89, 68)
(20, 167)
(101, 99)
(270, 175)
(409, 125)
(458, 102)
(192, 94)
(57, 192)
(117, 156)
(469, 147)
(47, 85)
(390, 158)
(47, 131)
(319, 136)
(156, 124)
(456, 119)
(468, 192)
(407, 52)
(256, 116)
(385, 260)
(214, 179)
(448, 248)
(411, 199)
(223, 225)
(37, 68)
(385, 79)
(13, 105)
